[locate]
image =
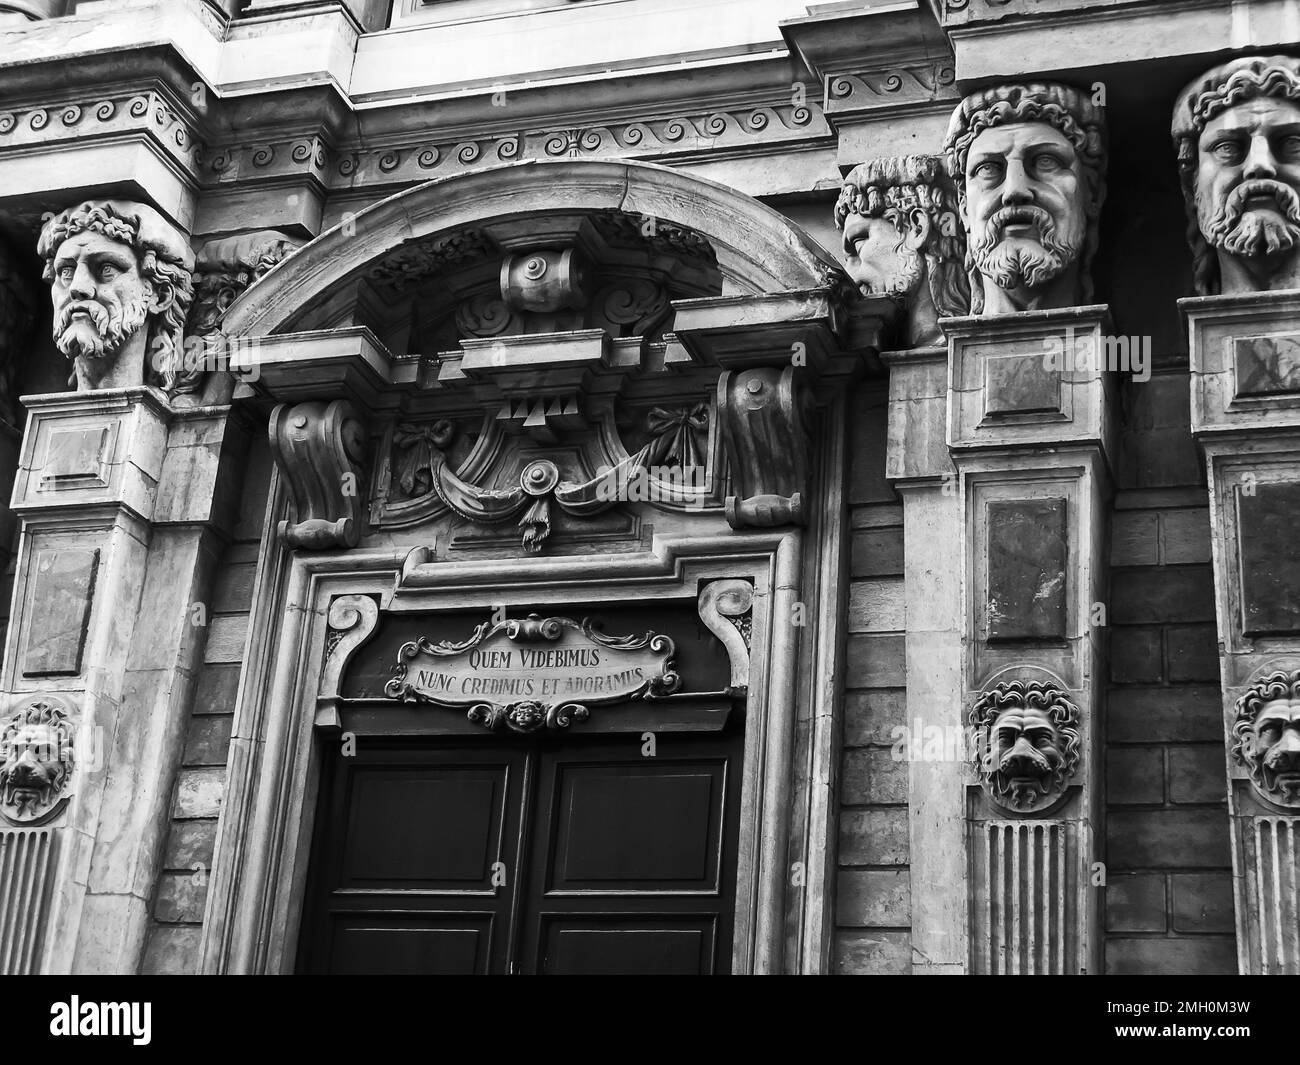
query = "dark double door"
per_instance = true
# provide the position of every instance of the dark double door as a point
(529, 855)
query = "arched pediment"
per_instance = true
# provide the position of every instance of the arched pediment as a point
(452, 234)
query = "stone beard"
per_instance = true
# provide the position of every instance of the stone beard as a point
(121, 282)
(1237, 131)
(1029, 163)
(1027, 744)
(902, 239)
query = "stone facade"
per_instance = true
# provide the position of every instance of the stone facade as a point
(913, 384)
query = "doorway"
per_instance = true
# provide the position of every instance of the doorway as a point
(586, 854)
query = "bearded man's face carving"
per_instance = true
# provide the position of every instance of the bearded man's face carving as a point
(35, 762)
(882, 259)
(101, 301)
(1026, 205)
(1248, 178)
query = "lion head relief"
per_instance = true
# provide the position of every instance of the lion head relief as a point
(1266, 736)
(1027, 745)
(35, 760)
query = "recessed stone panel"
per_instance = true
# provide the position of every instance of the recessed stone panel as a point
(1267, 365)
(58, 611)
(1027, 553)
(1021, 384)
(1269, 557)
(75, 458)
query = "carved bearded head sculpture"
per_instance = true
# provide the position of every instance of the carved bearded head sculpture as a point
(1027, 744)
(1237, 131)
(35, 760)
(1266, 737)
(1029, 162)
(903, 239)
(121, 278)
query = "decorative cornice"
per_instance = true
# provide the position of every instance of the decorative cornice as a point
(148, 111)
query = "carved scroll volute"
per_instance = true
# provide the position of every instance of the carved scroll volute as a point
(726, 608)
(319, 448)
(764, 415)
(352, 620)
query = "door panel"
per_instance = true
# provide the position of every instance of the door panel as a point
(409, 841)
(536, 854)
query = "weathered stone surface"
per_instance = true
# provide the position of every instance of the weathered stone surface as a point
(59, 607)
(873, 952)
(873, 899)
(877, 606)
(1135, 655)
(208, 741)
(180, 898)
(172, 950)
(1135, 776)
(1135, 902)
(873, 837)
(1199, 955)
(1135, 538)
(1196, 774)
(1027, 569)
(1188, 714)
(872, 717)
(1193, 653)
(873, 775)
(1164, 839)
(877, 553)
(1202, 902)
(1164, 594)
(876, 662)
(189, 844)
(226, 635)
(217, 688)
(1185, 536)
(199, 792)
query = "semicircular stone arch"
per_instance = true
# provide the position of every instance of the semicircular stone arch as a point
(446, 239)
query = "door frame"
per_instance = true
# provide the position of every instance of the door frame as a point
(256, 890)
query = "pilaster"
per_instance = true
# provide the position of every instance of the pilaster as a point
(1245, 361)
(122, 503)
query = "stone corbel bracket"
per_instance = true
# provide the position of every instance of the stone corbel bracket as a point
(319, 448)
(352, 620)
(764, 415)
(726, 608)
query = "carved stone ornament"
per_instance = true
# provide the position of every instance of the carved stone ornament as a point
(764, 418)
(1266, 737)
(1239, 161)
(121, 280)
(1027, 740)
(226, 267)
(1029, 162)
(36, 760)
(319, 448)
(726, 608)
(903, 239)
(534, 673)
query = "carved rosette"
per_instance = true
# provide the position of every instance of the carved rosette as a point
(1266, 737)
(1027, 744)
(764, 415)
(36, 760)
(319, 449)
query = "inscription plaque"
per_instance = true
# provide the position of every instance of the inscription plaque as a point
(533, 673)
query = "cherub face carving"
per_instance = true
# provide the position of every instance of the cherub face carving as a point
(1027, 744)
